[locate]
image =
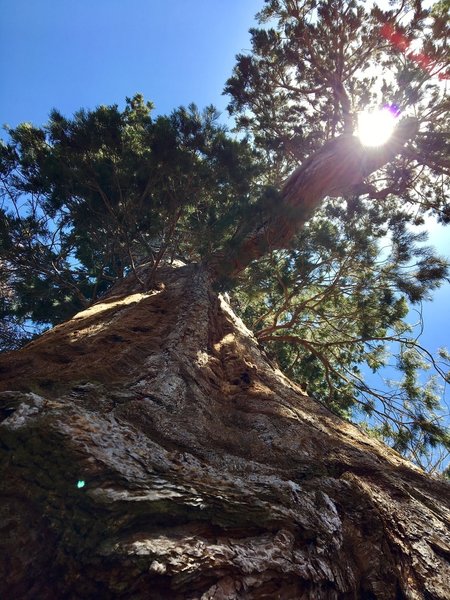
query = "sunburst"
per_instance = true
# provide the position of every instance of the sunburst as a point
(376, 127)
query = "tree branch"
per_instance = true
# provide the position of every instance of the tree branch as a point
(338, 166)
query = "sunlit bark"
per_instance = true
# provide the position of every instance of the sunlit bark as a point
(149, 449)
(337, 168)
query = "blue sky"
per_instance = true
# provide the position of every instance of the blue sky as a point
(82, 53)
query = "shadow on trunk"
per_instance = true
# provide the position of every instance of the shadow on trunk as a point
(151, 450)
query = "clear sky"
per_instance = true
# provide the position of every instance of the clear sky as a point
(69, 54)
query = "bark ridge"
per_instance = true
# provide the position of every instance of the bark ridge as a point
(149, 449)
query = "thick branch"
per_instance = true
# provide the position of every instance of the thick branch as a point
(337, 167)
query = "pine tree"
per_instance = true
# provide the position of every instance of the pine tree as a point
(85, 199)
(149, 449)
(149, 444)
(109, 187)
(335, 302)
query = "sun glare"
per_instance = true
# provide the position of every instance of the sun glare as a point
(376, 127)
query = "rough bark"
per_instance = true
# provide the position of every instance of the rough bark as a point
(208, 474)
(337, 168)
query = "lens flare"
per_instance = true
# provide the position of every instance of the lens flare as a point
(376, 127)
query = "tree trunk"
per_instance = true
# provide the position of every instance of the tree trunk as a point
(150, 450)
(337, 168)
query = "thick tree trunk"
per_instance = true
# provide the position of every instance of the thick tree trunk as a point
(204, 473)
(336, 169)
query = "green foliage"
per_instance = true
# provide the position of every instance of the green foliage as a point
(332, 304)
(335, 305)
(86, 198)
(315, 65)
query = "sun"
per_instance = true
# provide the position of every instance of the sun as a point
(376, 127)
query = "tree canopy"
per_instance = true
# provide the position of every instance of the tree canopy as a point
(343, 289)
(85, 199)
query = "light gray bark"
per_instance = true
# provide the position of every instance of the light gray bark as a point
(208, 474)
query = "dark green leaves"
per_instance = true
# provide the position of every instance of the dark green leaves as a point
(336, 302)
(85, 198)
